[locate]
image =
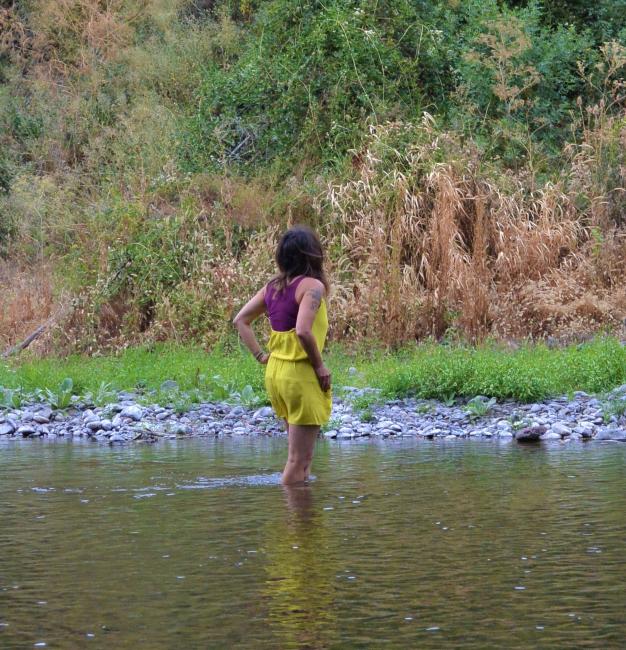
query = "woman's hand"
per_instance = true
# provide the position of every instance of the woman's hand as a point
(264, 358)
(323, 376)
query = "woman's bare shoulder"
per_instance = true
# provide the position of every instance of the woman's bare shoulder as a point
(310, 284)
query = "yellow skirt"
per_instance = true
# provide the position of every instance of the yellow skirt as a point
(295, 393)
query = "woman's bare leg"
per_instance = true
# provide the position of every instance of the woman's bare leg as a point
(301, 444)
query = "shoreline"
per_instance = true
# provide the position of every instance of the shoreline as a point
(562, 419)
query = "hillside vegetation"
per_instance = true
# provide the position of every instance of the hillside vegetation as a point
(464, 162)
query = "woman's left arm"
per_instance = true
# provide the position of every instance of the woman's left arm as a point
(243, 322)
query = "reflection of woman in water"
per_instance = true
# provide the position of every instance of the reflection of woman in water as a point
(299, 590)
(297, 381)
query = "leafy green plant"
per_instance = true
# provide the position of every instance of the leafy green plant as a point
(219, 388)
(247, 397)
(480, 406)
(332, 424)
(61, 398)
(104, 394)
(448, 399)
(12, 397)
(614, 407)
(518, 421)
(181, 403)
(424, 408)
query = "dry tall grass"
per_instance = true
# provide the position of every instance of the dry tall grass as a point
(433, 249)
(26, 301)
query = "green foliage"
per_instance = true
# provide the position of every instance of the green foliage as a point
(426, 407)
(332, 424)
(154, 260)
(309, 77)
(61, 397)
(518, 79)
(171, 374)
(604, 18)
(528, 374)
(11, 397)
(613, 408)
(105, 394)
(480, 406)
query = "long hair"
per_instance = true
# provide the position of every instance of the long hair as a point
(299, 252)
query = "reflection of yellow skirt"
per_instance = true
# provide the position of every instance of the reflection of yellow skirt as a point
(295, 392)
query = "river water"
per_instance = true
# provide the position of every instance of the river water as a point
(395, 544)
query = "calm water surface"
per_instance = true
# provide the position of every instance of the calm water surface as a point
(395, 545)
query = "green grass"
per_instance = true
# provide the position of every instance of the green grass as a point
(426, 371)
(530, 373)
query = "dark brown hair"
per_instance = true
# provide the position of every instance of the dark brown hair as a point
(299, 252)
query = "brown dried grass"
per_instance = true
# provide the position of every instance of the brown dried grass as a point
(425, 253)
(26, 302)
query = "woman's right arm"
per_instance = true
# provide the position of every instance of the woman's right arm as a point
(254, 308)
(309, 306)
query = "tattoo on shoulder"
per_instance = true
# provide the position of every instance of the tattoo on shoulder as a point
(316, 298)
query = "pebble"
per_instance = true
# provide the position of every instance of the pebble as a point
(560, 429)
(551, 435)
(133, 412)
(577, 419)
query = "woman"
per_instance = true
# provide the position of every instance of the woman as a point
(297, 381)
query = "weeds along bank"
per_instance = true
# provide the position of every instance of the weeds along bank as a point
(463, 162)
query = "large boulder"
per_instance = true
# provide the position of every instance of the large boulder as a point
(530, 434)
(618, 435)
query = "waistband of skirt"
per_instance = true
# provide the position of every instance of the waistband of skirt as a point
(274, 358)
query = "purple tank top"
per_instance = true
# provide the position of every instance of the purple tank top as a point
(282, 307)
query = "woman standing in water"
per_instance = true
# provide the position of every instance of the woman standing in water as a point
(297, 381)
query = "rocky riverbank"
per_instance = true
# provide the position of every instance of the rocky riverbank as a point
(580, 417)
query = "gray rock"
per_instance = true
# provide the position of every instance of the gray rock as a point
(561, 429)
(264, 412)
(116, 437)
(45, 411)
(106, 425)
(94, 425)
(27, 430)
(40, 419)
(530, 434)
(134, 412)
(6, 429)
(611, 434)
(551, 435)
